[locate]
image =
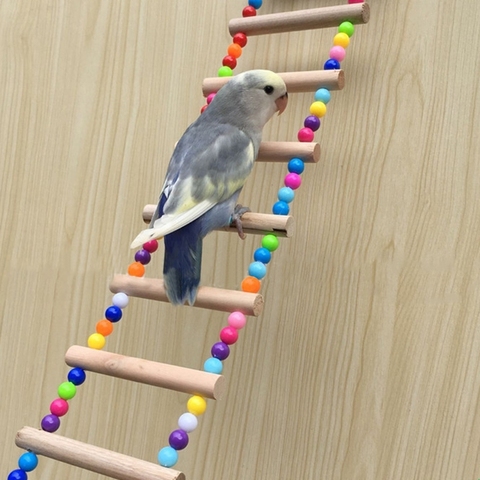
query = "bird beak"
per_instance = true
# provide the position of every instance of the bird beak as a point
(281, 103)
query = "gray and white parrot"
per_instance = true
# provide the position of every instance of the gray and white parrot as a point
(207, 171)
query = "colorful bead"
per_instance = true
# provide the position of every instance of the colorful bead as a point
(312, 122)
(50, 423)
(322, 95)
(178, 439)
(229, 61)
(240, 39)
(104, 327)
(346, 27)
(337, 53)
(196, 405)
(270, 242)
(305, 135)
(319, 109)
(113, 313)
(237, 320)
(213, 365)
(355, 1)
(143, 256)
(210, 97)
(258, 269)
(96, 341)
(280, 208)
(67, 390)
(59, 407)
(235, 50)
(188, 422)
(262, 255)
(77, 376)
(167, 457)
(17, 475)
(249, 12)
(255, 3)
(220, 350)
(120, 300)
(341, 39)
(136, 269)
(228, 335)
(203, 108)
(331, 64)
(286, 194)
(151, 246)
(293, 180)
(250, 285)
(296, 165)
(225, 72)
(28, 461)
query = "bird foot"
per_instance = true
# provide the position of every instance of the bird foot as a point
(237, 219)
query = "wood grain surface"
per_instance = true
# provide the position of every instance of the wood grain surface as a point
(365, 362)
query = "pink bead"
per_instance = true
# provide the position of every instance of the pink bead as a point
(237, 320)
(151, 246)
(293, 180)
(355, 1)
(228, 335)
(210, 97)
(305, 135)
(337, 52)
(59, 407)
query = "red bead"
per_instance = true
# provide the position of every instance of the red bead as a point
(203, 108)
(240, 39)
(249, 12)
(229, 61)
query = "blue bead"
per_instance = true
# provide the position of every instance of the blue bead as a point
(331, 64)
(28, 461)
(262, 255)
(257, 270)
(213, 365)
(113, 313)
(286, 194)
(322, 95)
(77, 376)
(167, 457)
(255, 3)
(17, 475)
(296, 165)
(280, 208)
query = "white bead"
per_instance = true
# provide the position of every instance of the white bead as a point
(120, 300)
(188, 422)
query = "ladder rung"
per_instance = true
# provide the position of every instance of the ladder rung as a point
(173, 377)
(207, 297)
(92, 458)
(297, 82)
(309, 152)
(255, 223)
(300, 19)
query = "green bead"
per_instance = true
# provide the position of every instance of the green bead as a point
(270, 242)
(225, 72)
(67, 390)
(346, 27)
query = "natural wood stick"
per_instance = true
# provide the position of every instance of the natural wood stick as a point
(296, 82)
(180, 379)
(89, 457)
(256, 223)
(309, 152)
(207, 297)
(300, 19)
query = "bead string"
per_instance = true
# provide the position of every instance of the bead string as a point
(257, 270)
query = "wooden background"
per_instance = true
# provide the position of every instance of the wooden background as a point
(365, 364)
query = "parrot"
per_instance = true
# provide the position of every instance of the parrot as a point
(206, 173)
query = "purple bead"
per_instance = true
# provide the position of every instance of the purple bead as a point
(143, 257)
(178, 439)
(312, 122)
(220, 350)
(50, 423)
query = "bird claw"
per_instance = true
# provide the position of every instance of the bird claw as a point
(237, 219)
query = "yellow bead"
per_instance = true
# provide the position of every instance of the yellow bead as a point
(319, 109)
(96, 340)
(341, 39)
(196, 405)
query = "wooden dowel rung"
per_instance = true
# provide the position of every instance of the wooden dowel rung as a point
(300, 19)
(92, 458)
(255, 223)
(207, 297)
(180, 379)
(296, 82)
(309, 152)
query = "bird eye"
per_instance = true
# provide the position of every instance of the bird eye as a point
(268, 89)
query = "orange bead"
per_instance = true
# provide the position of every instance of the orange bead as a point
(251, 285)
(136, 269)
(234, 50)
(104, 327)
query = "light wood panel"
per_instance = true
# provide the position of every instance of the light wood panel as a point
(364, 364)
